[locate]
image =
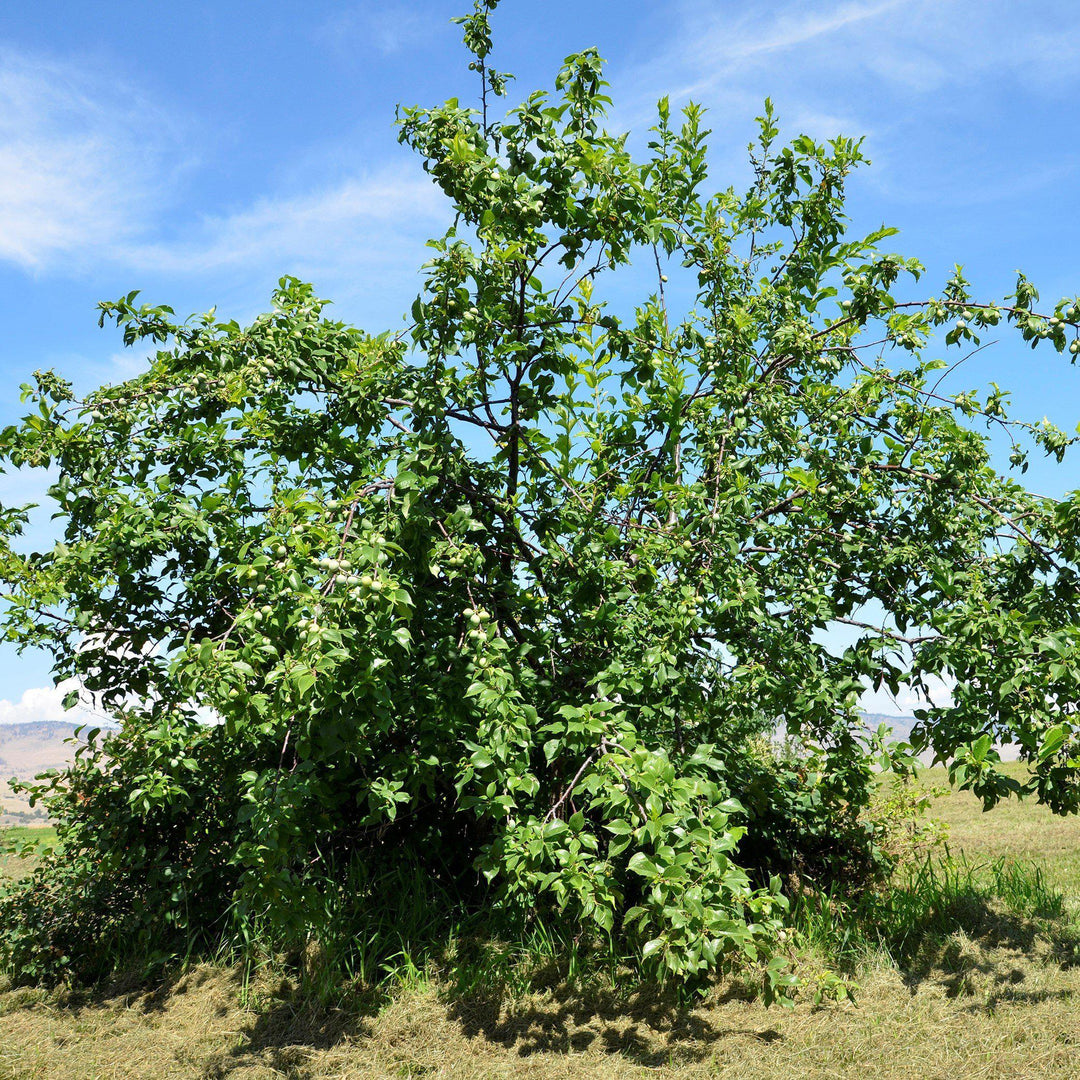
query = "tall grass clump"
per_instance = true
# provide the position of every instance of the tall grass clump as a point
(925, 903)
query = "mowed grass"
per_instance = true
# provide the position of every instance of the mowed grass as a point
(995, 995)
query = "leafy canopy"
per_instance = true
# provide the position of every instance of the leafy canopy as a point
(511, 595)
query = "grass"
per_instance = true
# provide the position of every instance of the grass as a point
(972, 973)
(1016, 831)
(12, 866)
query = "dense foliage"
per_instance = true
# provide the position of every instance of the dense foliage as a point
(517, 596)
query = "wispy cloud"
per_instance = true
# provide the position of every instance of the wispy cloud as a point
(89, 176)
(903, 45)
(386, 28)
(82, 161)
(723, 46)
(908, 73)
(362, 220)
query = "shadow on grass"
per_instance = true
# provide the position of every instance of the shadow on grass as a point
(286, 1034)
(956, 941)
(945, 922)
(276, 1027)
(915, 946)
(967, 938)
(646, 1029)
(647, 1026)
(284, 1030)
(957, 934)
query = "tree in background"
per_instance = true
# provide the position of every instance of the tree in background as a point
(512, 600)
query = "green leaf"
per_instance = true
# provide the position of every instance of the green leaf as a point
(643, 865)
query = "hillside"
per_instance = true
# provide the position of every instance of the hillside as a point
(901, 729)
(26, 750)
(901, 725)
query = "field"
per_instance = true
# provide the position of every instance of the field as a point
(986, 985)
(15, 810)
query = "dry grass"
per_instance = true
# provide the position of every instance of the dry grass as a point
(997, 1001)
(981, 1011)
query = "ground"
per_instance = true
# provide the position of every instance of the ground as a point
(996, 999)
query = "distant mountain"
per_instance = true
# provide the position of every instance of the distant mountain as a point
(31, 748)
(901, 728)
(901, 725)
(26, 750)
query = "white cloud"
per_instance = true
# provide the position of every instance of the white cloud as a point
(948, 95)
(89, 169)
(908, 45)
(361, 220)
(904, 71)
(45, 703)
(81, 161)
(723, 46)
(906, 700)
(41, 703)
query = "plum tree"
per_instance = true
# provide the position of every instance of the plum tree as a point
(513, 595)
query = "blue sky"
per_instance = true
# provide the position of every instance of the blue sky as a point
(198, 151)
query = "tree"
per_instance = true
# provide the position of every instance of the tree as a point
(512, 596)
